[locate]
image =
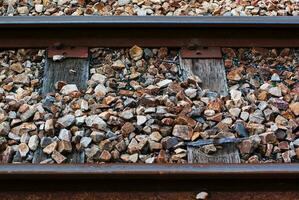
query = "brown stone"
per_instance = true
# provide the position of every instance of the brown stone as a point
(105, 156)
(126, 93)
(17, 67)
(195, 136)
(295, 108)
(269, 150)
(184, 120)
(50, 148)
(58, 157)
(297, 152)
(64, 146)
(216, 118)
(283, 145)
(167, 121)
(174, 88)
(109, 99)
(136, 53)
(7, 155)
(262, 96)
(163, 52)
(268, 137)
(182, 131)
(161, 158)
(154, 145)
(148, 100)
(245, 147)
(127, 128)
(23, 149)
(234, 75)
(215, 105)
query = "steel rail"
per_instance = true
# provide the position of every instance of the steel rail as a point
(126, 31)
(148, 21)
(156, 181)
(154, 171)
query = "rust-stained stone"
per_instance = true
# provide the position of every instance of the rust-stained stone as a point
(59, 158)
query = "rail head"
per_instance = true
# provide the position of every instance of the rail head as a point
(153, 171)
(148, 21)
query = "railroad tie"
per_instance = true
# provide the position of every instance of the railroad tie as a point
(207, 64)
(67, 65)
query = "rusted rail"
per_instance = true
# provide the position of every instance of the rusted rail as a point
(126, 181)
(125, 31)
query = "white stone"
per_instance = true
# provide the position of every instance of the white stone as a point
(275, 91)
(127, 114)
(191, 92)
(39, 8)
(244, 115)
(99, 78)
(209, 113)
(235, 112)
(33, 142)
(123, 2)
(265, 86)
(85, 141)
(141, 120)
(133, 158)
(202, 196)
(58, 57)
(235, 95)
(164, 83)
(275, 77)
(100, 90)
(69, 88)
(84, 105)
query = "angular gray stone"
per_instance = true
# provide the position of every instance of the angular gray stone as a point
(85, 141)
(257, 117)
(96, 122)
(66, 121)
(65, 135)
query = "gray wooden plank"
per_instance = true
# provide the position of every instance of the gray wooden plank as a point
(213, 76)
(71, 70)
(228, 154)
(210, 71)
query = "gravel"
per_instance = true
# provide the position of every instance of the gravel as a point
(151, 7)
(142, 112)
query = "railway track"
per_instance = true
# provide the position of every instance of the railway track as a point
(93, 31)
(127, 181)
(197, 37)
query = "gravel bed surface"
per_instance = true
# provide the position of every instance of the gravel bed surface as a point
(150, 7)
(137, 109)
